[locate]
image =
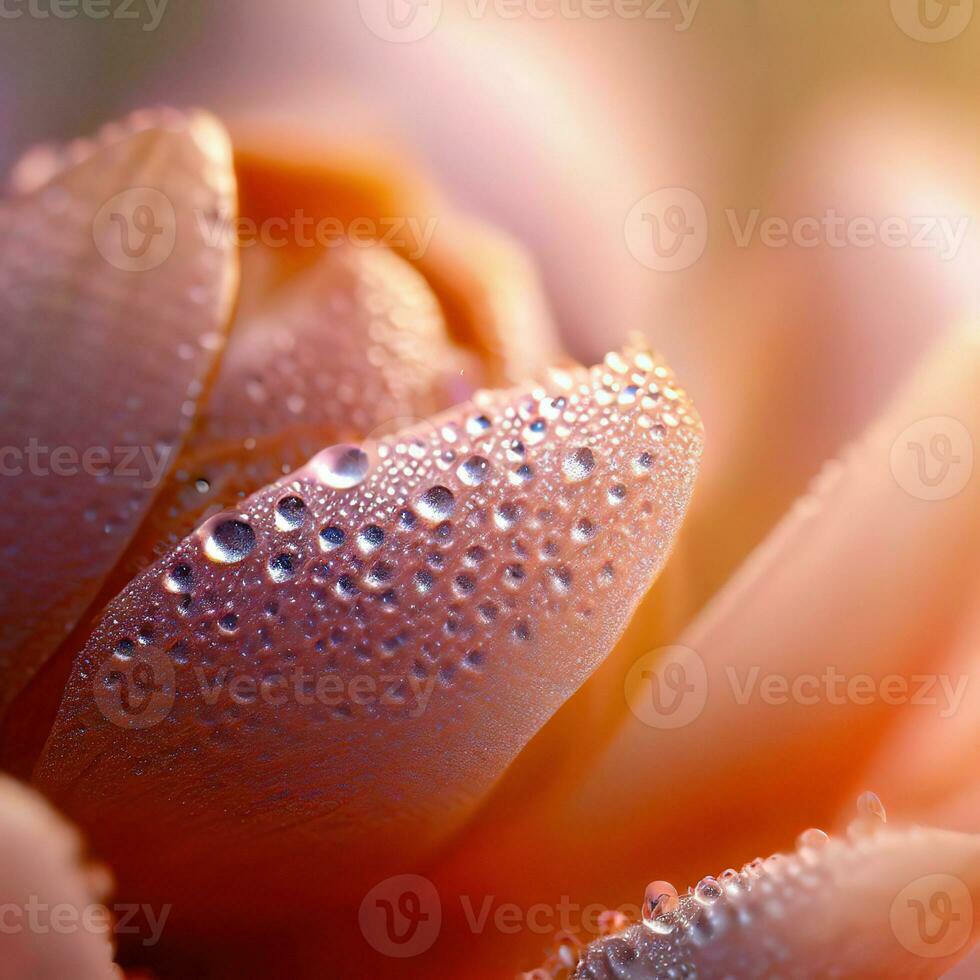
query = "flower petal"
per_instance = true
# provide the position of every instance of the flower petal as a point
(54, 922)
(896, 904)
(111, 310)
(356, 654)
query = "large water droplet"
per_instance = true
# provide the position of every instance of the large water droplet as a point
(178, 579)
(290, 513)
(436, 504)
(473, 471)
(229, 541)
(341, 467)
(707, 891)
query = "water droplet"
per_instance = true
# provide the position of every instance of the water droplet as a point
(436, 504)
(370, 538)
(341, 467)
(331, 538)
(707, 891)
(535, 431)
(869, 805)
(659, 901)
(281, 568)
(473, 471)
(229, 541)
(578, 464)
(812, 839)
(290, 513)
(477, 425)
(178, 579)
(228, 623)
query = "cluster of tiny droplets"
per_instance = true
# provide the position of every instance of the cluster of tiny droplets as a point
(469, 526)
(729, 926)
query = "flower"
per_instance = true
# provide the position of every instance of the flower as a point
(327, 618)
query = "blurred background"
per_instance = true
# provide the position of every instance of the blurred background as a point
(587, 128)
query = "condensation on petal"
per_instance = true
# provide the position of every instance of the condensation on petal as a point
(898, 903)
(113, 303)
(448, 586)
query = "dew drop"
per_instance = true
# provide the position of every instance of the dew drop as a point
(870, 807)
(578, 464)
(436, 504)
(370, 538)
(290, 513)
(812, 839)
(341, 467)
(178, 579)
(473, 471)
(331, 538)
(707, 891)
(659, 901)
(281, 568)
(229, 541)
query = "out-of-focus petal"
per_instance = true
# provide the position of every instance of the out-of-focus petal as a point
(929, 761)
(486, 283)
(53, 923)
(897, 904)
(113, 305)
(720, 753)
(450, 585)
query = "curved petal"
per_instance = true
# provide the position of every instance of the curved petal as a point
(54, 924)
(356, 654)
(112, 307)
(900, 903)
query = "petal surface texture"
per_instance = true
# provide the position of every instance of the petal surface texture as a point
(112, 309)
(54, 923)
(340, 669)
(900, 904)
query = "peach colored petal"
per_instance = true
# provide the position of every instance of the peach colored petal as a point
(929, 760)
(354, 346)
(108, 340)
(453, 585)
(54, 924)
(900, 903)
(486, 283)
(863, 576)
